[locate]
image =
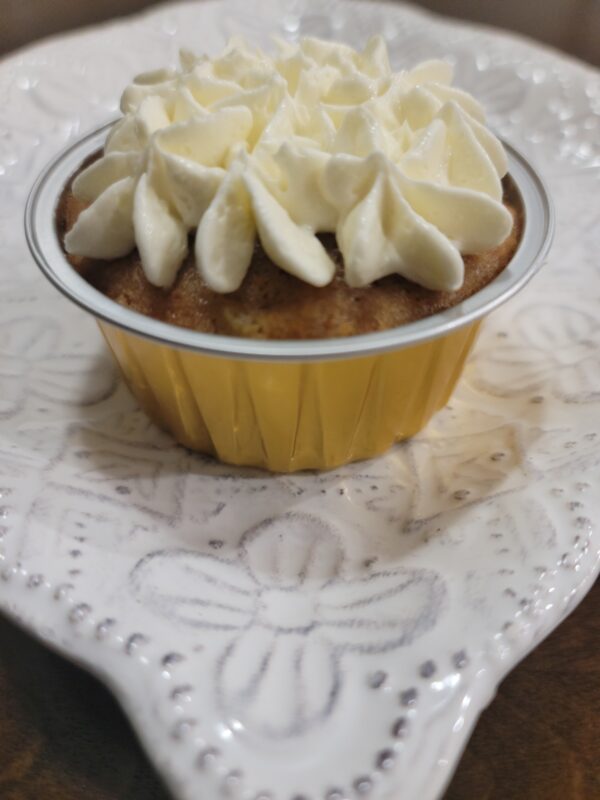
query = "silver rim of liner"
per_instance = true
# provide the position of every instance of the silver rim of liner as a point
(43, 241)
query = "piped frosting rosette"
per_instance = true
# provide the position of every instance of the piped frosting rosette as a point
(319, 138)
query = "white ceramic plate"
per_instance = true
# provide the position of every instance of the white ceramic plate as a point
(320, 636)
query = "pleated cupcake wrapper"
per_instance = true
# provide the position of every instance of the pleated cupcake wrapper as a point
(283, 405)
(288, 416)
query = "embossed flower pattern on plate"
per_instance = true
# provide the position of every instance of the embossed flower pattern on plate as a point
(287, 614)
(35, 363)
(556, 349)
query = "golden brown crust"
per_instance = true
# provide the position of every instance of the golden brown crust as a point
(271, 304)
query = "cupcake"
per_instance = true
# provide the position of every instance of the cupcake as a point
(289, 255)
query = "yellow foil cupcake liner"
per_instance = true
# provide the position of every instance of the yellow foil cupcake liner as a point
(287, 405)
(296, 415)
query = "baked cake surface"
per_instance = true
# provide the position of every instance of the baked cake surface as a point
(270, 303)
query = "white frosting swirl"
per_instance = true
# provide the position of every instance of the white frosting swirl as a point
(320, 138)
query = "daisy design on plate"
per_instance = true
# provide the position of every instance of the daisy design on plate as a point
(556, 350)
(289, 607)
(32, 364)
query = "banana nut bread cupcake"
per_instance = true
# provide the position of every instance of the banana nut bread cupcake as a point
(311, 195)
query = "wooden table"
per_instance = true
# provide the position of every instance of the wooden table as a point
(62, 736)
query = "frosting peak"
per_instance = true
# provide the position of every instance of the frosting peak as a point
(318, 138)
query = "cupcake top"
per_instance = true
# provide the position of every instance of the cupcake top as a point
(319, 138)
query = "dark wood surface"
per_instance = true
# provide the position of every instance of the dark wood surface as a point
(62, 736)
